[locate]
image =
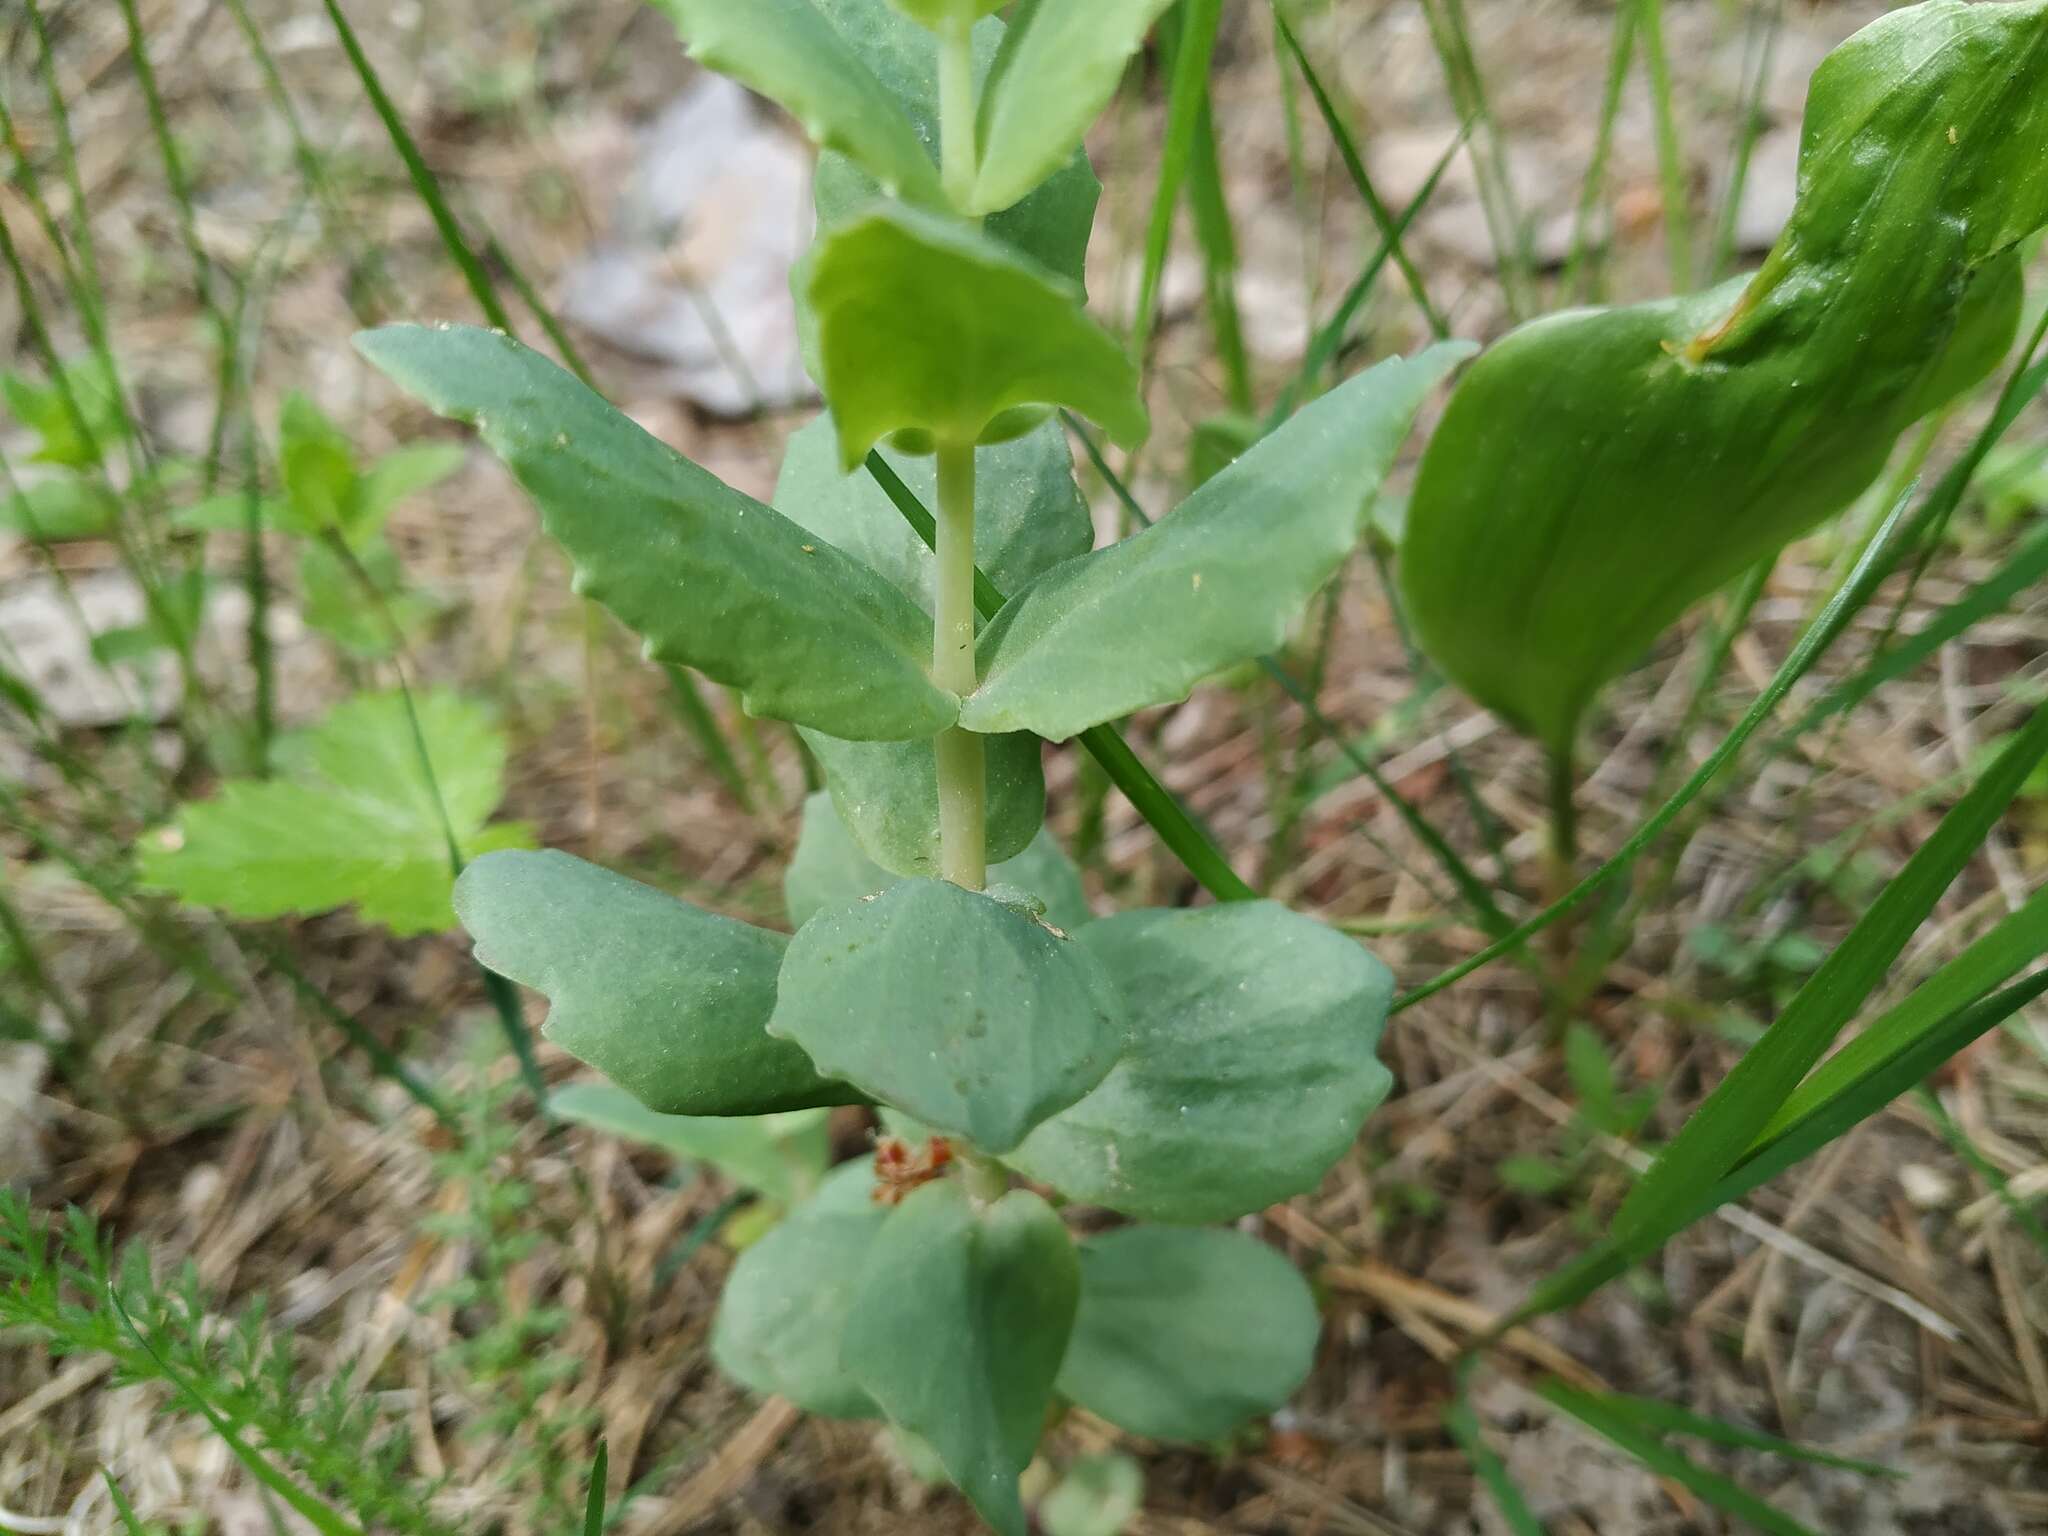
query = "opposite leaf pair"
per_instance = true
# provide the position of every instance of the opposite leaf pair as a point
(962, 1323)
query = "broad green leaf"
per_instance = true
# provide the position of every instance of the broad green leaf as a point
(350, 820)
(1059, 66)
(928, 327)
(401, 473)
(1029, 516)
(948, 1004)
(782, 1321)
(1211, 584)
(43, 410)
(336, 605)
(1598, 472)
(1051, 226)
(831, 870)
(668, 1001)
(957, 1331)
(1251, 1066)
(1097, 1496)
(63, 507)
(229, 513)
(1715, 1139)
(789, 53)
(318, 465)
(781, 1157)
(1185, 1333)
(708, 577)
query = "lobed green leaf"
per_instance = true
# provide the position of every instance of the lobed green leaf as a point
(1209, 585)
(350, 819)
(668, 1001)
(710, 578)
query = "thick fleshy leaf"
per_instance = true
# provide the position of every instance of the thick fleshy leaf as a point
(1050, 226)
(1029, 516)
(831, 870)
(1598, 472)
(668, 1001)
(710, 578)
(1209, 585)
(782, 1320)
(1184, 1334)
(781, 1157)
(789, 53)
(958, 1330)
(1058, 68)
(952, 1006)
(926, 325)
(349, 819)
(1251, 1067)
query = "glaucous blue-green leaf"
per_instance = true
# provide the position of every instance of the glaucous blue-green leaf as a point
(1211, 584)
(831, 870)
(958, 1329)
(927, 326)
(667, 1000)
(952, 1006)
(1184, 1334)
(1252, 1064)
(781, 1157)
(1060, 64)
(1029, 515)
(349, 819)
(708, 577)
(789, 53)
(1051, 225)
(1598, 472)
(782, 1321)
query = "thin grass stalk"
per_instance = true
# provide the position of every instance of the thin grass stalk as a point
(1504, 219)
(1213, 229)
(1354, 166)
(1579, 263)
(1191, 31)
(1670, 152)
(1754, 119)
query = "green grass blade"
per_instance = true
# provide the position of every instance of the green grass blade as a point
(1754, 120)
(1491, 1471)
(2025, 566)
(1168, 818)
(1661, 1418)
(593, 1509)
(1856, 1102)
(1193, 30)
(1505, 224)
(1670, 153)
(130, 1521)
(2015, 942)
(1714, 1140)
(1594, 189)
(1218, 239)
(424, 182)
(697, 719)
(1354, 166)
(1960, 1143)
(1598, 1415)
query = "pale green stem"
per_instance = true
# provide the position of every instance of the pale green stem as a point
(963, 770)
(986, 1179)
(959, 155)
